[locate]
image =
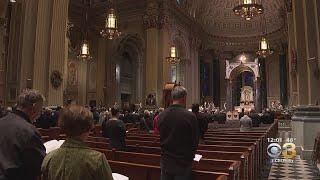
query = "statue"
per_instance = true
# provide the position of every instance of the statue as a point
(151, 100)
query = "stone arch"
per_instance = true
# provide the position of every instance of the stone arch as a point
(129, 53)
(239, 69)
(242, 62)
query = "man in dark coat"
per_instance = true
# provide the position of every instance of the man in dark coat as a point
(115, 130)
(255, 118)
(179, 137)
(21, 150)
(202, 120)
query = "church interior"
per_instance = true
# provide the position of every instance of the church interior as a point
(235, 58)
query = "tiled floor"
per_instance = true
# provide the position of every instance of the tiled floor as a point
(299, 169)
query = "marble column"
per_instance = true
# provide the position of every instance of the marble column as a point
(164, 46)
(57, 56)
(14, 53)
(300, 45)
(101, 71)
(111, 89)
(28, 42)
(42, 47)
(152, 50)
(317, 18)
(3, 28)
(140, 81)
(263, 82)
(229, 95)
(312, 48)
(293, 99)
(82, 89)
(283, 79)
(195, 70)
(3, 22)
(257, 88)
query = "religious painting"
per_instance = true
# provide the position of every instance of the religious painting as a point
(248, 78)
(72, 74)
(92, 76)
(151, 100)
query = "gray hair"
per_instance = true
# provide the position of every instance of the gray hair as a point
(29, 97)
(178, 92)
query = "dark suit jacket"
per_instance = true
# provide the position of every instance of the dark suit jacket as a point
(21, 150)
(115, 130)
(179, 137)
(203, 123)
(255, 119)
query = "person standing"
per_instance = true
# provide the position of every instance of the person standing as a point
(21, 150)
(202, 121)
(74, 159)
(245, 123)
(115, 130)
(155, 121)
(179, 137)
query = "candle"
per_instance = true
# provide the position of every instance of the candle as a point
(247, 2)
(111, 21)
(85, 49)
(173, 51)
(264, 44)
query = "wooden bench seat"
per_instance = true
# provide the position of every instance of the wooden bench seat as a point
(212, 165)
(243, 155)
(146, 172)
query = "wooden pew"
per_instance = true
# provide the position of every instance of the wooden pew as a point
(246, 168)
(212, 165)
(52, 132)
(146, 172)
(228, 137)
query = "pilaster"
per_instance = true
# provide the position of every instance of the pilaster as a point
(101, 70)
(312, 48)
(151, 20)
(42, 47)
(300, 45)
(58, 54)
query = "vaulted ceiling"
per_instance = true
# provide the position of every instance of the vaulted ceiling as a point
(218, 19)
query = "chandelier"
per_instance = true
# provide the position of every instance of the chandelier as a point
(84, 51)
(248, 9)
(111, 28)
(84, 48)
(264, 49)
(173, 58)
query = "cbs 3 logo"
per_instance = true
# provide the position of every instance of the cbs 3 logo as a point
(288, 150)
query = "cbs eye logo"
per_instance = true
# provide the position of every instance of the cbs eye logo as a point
(288, 151)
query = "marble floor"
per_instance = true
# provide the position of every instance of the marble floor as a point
(296, 169)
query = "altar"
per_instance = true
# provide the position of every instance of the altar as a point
(246, 100)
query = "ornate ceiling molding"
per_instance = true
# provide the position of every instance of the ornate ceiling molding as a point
(216, 18)
(157, 15)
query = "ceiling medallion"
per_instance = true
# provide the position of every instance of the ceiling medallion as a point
(173, 59)
(111, 28)
(264, 49)
(248, 9)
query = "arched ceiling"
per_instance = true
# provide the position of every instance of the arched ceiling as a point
(217, 17)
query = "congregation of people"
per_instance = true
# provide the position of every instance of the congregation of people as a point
(23, 155)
